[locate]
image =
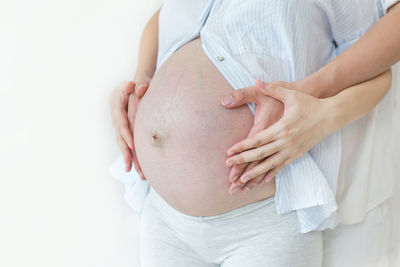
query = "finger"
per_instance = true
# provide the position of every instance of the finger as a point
(259, 124)
(119, 101)
(128, 87)
(141, 86)
(126, 153)
(238, 185)
(125, 132)
(253, 182)
(255, 154)
(136, 165)
(141, 89)
(132, 108)
(279, 93)
(264, 137)
(263, 167)
(236, 171)
(240, 97)
(238, 182)
(273, 172)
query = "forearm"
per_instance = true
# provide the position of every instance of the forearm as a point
(374, 53)
(356, 101)
(148, 48)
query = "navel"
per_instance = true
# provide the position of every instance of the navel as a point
(156, 137)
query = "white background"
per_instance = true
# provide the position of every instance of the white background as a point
(59, 59)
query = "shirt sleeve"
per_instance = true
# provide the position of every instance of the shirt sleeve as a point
(352, 19)
(386, 4)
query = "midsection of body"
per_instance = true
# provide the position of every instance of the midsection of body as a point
(182, 134)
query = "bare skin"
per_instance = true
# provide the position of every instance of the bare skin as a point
(182, 133)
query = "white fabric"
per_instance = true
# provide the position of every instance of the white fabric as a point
(366, 172)
(386, 4)
(274, 40)
(363, 244)
(374, 239)
(237, 238)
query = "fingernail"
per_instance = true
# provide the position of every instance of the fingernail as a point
(227, 100)
(234, 190)
(231, 152)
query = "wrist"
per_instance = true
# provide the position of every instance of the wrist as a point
(140, 74)
(320, 84)
(334, 117)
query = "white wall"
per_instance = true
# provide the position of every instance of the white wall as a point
(59, 59)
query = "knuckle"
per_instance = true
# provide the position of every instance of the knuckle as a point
(289, 143)
(257, 142)
(239, 147)
(271, 85)
(251, 174)
(238, 159)
(283, 133)
(236, 169)
(278, 161)
(276, 134)
(240, 168)
(259, 154)
(256, 171)
(265, 166)
(294, 131)
(240, 94)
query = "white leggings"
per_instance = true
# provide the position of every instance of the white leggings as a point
(253, 236)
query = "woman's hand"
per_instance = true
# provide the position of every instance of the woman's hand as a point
(304, 124)
(123, 102)
(267, 111)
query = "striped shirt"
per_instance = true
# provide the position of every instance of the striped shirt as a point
(270, 40)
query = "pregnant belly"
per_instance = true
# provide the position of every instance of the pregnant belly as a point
(182, 133)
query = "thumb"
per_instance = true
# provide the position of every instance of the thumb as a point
(240, 97)
(142, 85)
(260, 122)
(128, 87)
(276, 92)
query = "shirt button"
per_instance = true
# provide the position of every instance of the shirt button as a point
(220, 58)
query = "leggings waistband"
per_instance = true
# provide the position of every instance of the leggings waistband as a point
(166, 208)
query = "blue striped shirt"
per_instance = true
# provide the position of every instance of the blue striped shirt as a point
(270, 40)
